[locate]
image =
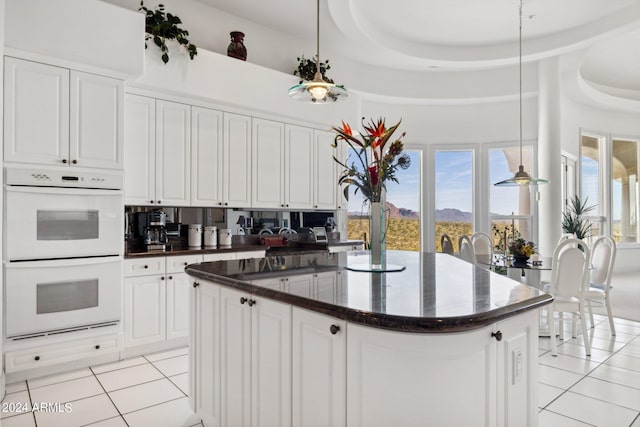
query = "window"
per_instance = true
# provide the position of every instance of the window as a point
(509, 207)
(403, 204)
(592, 148)
(624, 189)
(454, 195)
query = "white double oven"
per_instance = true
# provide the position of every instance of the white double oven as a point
(63, 250)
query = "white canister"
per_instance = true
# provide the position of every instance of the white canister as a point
(210, 236)
(224, 237)
(195, 235)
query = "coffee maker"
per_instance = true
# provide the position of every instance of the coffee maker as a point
(155, 232)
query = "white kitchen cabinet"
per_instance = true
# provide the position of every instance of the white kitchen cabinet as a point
(298, 167)
(58, 116)
(255, 373)
(158, 147)
(204, 353)
(325, 172)
(236, 154)
(144, 310)
(173, 148)
(268, 154)
(140, 150)
(327, 285)
(319, 369)
(206, 157)
(157, 299)
(346, 248)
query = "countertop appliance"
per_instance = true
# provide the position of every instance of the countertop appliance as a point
(155, 232)
(63, 250)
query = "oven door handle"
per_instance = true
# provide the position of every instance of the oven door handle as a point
(67, 262)
(64, 191)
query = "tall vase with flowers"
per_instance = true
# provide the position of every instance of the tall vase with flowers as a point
(377, 158)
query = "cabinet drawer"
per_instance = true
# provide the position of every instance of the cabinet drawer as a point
(53, 354)
(176, 264)
(143, 266)
(251, 254)
(226, 256)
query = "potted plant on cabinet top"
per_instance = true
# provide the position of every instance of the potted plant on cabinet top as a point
(307, 69)
(161, 26)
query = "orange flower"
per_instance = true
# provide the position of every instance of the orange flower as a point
(346, 128)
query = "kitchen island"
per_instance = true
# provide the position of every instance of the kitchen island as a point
(301, 340)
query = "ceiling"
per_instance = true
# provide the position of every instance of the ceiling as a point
(443, 35)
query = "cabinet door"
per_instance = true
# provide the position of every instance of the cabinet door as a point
(96, 125)
(140, 150)
(270, 364)
(268, 164)
(178, 305)
(173, 147)
(205, 353)
(36, 113)
(235, 359)
(326, 286)
(236, 189)
(144, 310)
(318, 374)
(298, 191)
(206, 157)
(301, 285)
(325, 176)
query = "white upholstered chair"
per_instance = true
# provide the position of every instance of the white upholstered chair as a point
(466, 249)
(603, 255)
(446, 244)
(482, 245)
(569, 284)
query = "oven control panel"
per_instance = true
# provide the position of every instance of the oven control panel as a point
(62, 178)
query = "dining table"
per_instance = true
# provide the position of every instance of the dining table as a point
(530, 270)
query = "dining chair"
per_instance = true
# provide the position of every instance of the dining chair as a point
(603, 256)
(569, 284)
(482, 245)
(466, 249)
(446, 244)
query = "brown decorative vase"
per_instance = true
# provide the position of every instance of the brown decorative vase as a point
(236, 48)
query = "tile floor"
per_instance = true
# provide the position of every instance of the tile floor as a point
(151, 390)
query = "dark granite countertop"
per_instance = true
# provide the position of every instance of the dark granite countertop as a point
(435, 293)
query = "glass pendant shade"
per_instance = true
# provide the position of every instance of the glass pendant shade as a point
(521, 177)
(318, 90)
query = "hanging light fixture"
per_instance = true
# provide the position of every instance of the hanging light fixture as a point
(521, 177)
(318, 90)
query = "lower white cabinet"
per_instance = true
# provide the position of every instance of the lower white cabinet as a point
(156, 300)
(318, 369)
(258, 362)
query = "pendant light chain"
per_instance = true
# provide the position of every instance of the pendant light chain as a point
(520, 78)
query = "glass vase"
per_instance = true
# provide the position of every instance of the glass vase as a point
(377, 234)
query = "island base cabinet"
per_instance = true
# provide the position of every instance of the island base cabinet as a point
(318, 370)
(255, 343)
(405, 379)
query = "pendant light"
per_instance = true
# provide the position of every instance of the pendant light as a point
(318, 90)
(521, 177)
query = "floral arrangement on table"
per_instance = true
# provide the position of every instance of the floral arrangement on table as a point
(521, 249)
(378, 159)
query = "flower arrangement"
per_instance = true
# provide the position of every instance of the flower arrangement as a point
(378, 160)
(521, 248)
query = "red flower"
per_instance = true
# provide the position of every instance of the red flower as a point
(346, 128)
(373, 172)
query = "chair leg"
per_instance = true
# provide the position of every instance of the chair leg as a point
(610, 314)
(591, 314)
(585, 335)
(573, 325)
(552, 330)
(561, 324)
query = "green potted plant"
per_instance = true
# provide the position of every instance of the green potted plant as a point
(574, 221)
(161, 26)
(307, 69)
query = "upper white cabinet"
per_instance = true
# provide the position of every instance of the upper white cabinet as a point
(58, 116)
(206, 157)
(298, 176)
(158, 147)
(325, 194)
(173, 147)
(236, 166)
(268, 164)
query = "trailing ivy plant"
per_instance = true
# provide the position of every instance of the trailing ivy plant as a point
(307, 69)
(161, 26)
